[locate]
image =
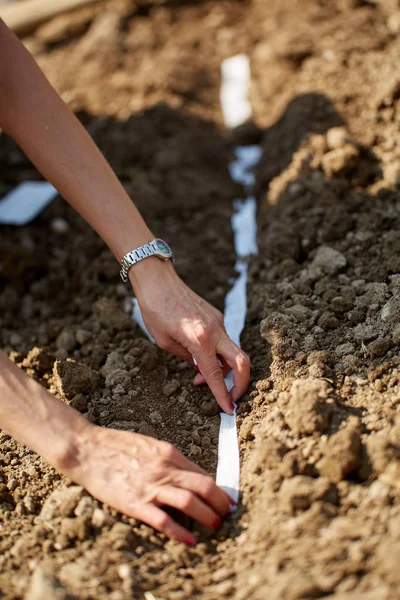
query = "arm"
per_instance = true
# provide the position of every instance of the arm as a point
(179, 320)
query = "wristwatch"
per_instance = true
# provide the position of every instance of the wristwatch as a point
(156, 247)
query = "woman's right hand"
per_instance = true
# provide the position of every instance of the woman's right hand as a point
(137, 475)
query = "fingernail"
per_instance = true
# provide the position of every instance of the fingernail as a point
(232, 407)
(190, 541)
(217, 523)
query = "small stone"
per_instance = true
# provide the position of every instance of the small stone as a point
(111, 315)
(209, 408)
(329, 260)
(44, 585)
(340, 160)
(299, 493)
(12, 484)
(15, 339)
(79, 402)
(155, 417)
(171, 387)
(83, 336)
(119, 377)
(379, 347)
(101, 518)
(343, 452)
(328, 321)
(121, 536)
(59, 226)
(344, 349)
(299, 312)
(119, 389)
(114, 361)
(71, 378)
(66, 341)
(336, 137)
(125, 571)
(62, 502)
(75, 529)
(307, 410)
(85, 507)
(147, 429)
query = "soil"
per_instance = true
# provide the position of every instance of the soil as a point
(319, 431)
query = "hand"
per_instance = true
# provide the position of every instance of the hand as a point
(137, 475)
(187, 326)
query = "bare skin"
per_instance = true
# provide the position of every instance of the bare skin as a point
(130, 472)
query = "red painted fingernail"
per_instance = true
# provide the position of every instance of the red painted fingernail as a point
(232, 407)
(190, 541)
(217, 523)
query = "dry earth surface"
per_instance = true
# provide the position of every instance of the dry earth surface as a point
(319, 432)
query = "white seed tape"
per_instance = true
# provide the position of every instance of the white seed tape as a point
(23, 204)
(236, 110)
(235, 81)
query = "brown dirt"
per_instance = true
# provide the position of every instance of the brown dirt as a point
(319, 435)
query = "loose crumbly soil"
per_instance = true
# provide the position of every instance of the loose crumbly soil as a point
(319, 432)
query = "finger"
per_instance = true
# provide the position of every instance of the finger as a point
(190, 504)
(182, 463)
(177, 349)
(240, 365)
(161, 521)
(213, 374)
(206, 488)
(199, 379)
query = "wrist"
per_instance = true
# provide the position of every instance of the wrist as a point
(150, 271)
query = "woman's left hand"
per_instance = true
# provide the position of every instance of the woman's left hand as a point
(186, 325)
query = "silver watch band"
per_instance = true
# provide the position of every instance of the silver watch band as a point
(136, 255)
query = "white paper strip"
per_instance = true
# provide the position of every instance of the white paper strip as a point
(236, 110)
(235, 83)
(26, 202)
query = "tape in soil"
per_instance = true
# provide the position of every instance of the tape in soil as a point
(23, 204)
(236, 110)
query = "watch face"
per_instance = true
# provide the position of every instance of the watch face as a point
(163, 248)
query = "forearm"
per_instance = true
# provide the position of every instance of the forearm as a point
(36, 418)
(35, 116)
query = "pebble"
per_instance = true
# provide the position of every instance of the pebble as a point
(336, 137)
(329, 260)
(12, 484)
(101, 518)
(155, 417)
(44, 585)
(66, 341)
(62, 502)
(59, 226)
(171, 387)
(125, 571)
(83, 336)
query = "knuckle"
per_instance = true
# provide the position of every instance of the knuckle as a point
(163, 343)
(215, 373)
(202, 334)
(187, 500)
(162, 521)
(168, 452)
(208, 485)
(244, 359)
